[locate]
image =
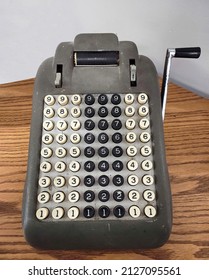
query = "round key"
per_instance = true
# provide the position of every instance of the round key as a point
(58, 197)
(89, 196)
(48, 112)
(60, 166)
(89, 152)
(62, 112)
(103, 180)
(130, 124)
(144, 123)
(89, 138)
(133, 180)
(103, 166)
(61, 138)
(116, 111)
(73, 196)
(118, 195)
(103, 152)
(129, 98)
(89, 124)
(62, 125)
(104, 211)
(145, 151)
(45, 166)
(62, 100)
(134, 211)
(131, 137)
(43, 197)
(149, 195)
(89, 212)
(142, 98)
(44, 182)
(103, 112)
(74, 166)
(89, 112)
(74, 181)
(47, 139)
(118, 180)
(60, 152)
(119, 211)
(129, 111)
(103, 138)
(134, 195)
(89, 166)
(42, 213)
(75, 138)
(76, 99)
(117, 137)
(102, 124)
(117, 151)
(103, 196)
(147, 180)
(89, 181)
(144, 137)
(46, 152)
(116, 124)
(89, 99)
(117, 165)
(150, 211)
(143, 111)
(146, 165)
(75, 112)
(75, 152)
(132, 165)
(73, 213)
(48, 125)
(49, 100)
(75, 124)
(57, 213)
(102, 99)
(59, 181)
(131, 151)
(115, 99)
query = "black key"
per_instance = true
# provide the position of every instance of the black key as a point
(103, 165)
(104, 211)
(118, 195)
(102, 99)
(116, 99)
(118, 180)
(116, 124)
(103, 138)
(89, 125)
(117, 151)
(117, 165)
(89, 112)
(117, 137)
(88, 212)
(103, 196)
(89, 152)
(116, 111)
(103, 112)
(119, 211)
(103, 152)
(103, 180)
(89, 99)
(89, 181)
(103, 124)
(89, 166)
(89, 196)
(89, 138)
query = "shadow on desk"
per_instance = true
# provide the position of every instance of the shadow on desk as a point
(187, 145)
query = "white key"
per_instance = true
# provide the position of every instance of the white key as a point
(48, 125)
(134, 195)
(74, 166)
(59, 181)
(130, 124)
(144, 123)
(73, 212)
(150, 211)
(146, 165)
(133, 180)
(74, 181)
(73, 196)
(129, 98)
(145, 151)
(75, 124)
(131, 137)
(43, 197)
(61, 138)
(132, 165)
(147, 180)
(48, 112)
(142, 98)
(57, 213)
(143, 111)
(44, 182)
(60, 152)
(76, 99)
(75, 138)
(131, 151)
(134, 211)
(129, 111)
(62, 100)
(45, 166)
(46, 152)
(47, 138)
(58, 197)
(144, 137)
(75, 151)
(62, 125)
(42, 213)
(60, 166)
(75, 112)
(149, 195)
(62, 112)
(49, 100)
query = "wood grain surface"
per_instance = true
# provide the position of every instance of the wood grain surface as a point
(187, 144)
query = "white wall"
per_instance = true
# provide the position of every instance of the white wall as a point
(30, 31)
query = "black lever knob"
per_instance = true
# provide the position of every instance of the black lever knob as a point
(188, 52)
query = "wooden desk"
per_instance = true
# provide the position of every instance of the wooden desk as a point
(187, 144)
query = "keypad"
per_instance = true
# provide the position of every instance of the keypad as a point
(96, 158)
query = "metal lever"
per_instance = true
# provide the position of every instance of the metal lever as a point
(177, 52)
